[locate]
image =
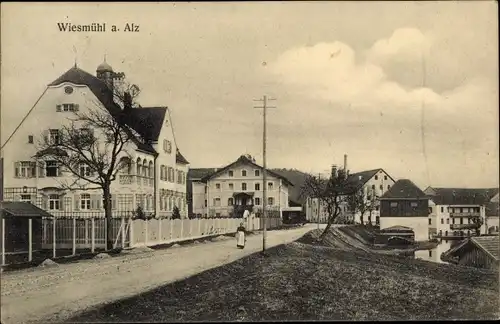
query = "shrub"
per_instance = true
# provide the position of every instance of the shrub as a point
(176, 214)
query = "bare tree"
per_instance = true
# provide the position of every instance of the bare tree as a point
(329, 192)
(360, 203)
(91, 147)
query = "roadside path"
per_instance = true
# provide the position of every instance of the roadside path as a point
(53, 294)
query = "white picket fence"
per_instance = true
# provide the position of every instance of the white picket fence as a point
(83, 234)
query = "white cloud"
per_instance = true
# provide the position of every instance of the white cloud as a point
(405, 44)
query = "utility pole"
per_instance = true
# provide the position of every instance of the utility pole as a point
(264, 106)
(319, 204)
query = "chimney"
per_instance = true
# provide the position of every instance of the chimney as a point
(345, 163)
(334, 170)
(127, 101)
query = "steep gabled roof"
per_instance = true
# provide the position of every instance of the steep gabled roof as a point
(147, 121)
(244, 160)
(358, 179)
(462, 196)
(404, 189)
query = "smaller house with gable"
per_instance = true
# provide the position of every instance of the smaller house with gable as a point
(405, 205)
(230, 190)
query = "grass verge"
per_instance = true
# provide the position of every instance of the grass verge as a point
(303, 282)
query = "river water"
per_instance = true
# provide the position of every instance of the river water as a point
(434, 255)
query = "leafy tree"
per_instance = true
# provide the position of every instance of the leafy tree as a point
(358, 203)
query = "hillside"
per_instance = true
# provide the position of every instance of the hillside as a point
(305, 282)
(297, 178)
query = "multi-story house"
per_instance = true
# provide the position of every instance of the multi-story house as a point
(453, 211)
(404, 205)
(493, 215)
(155, 173)
(374, 183)
(230, 190)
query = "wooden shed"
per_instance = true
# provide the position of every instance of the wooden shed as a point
(480, 252)
(21, 228)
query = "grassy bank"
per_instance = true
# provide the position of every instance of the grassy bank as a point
(303, 282)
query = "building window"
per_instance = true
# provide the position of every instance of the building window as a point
(25, 169)
(243, 173)
(231, 174)
(394, 204)
(430, 253)
(30, 139)
(26, 198)
(257, 173)
(388, 187)
(216, 202)
(414, 204)
(442, 221)
(442, 209)
(231, 186)
(270, 201)
(85, 201)
(243, 186)
(230, 201)
(51, 169)
(257, 201)
(430, 221)
(70, 107)
(257, 186)
(373, 187)
(167, 146)
(381, 187)
(376, 177)
(217, 186)
(270, 186)
(385, 177)
(54, 203)
(85, 170)
(206, 203)
(54, 137)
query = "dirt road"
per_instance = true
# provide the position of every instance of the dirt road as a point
(48, 295)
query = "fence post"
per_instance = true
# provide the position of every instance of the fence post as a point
(131, 232)
(86, 232)
(146, 232)
(171, 229)
(123, 232)
(182, 229)
(159, 231)
(54, 237)
(74, 235)
(105, 234)
(30, 240)
(92, 237)
(3, 241)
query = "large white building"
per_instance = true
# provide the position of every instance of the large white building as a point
(452, 210)
(374, 183)
(404, 205)
(155, 176)
(229, 190)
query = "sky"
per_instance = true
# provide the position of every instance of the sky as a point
(410, 87)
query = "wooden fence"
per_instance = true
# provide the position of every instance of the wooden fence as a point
(90, 233)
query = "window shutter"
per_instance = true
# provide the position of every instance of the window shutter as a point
(77, 202)
(113, 202)
(77, 107)
(99, 199)
(58, 108)
(16, 169)
(41, 169)
(44, 202)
